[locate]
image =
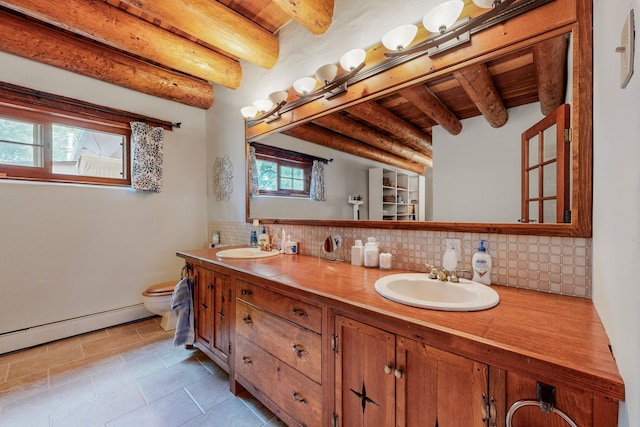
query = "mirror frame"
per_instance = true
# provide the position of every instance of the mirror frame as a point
(552, 19)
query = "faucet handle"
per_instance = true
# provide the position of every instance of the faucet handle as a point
(454, 274)
(433, 271)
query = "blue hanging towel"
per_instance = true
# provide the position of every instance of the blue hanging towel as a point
(182, 301)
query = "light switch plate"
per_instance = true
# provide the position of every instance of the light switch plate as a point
(626, 50)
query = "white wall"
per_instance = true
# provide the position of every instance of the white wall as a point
(616, 212)
(476, 174)
(71, 250)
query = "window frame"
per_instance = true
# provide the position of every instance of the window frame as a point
(287, 158)
(45, 172)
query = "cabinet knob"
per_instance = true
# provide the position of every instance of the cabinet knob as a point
(300, 349)
(247, 360)
(299, 312)
(209, 286)
(298, 397)
(205, 306)
(398, 373)
(387, 369)
(246, 292)
(221, 315)
(247, 319)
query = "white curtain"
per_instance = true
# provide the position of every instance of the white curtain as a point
(146, 157)
(253, 173)
(316, 192)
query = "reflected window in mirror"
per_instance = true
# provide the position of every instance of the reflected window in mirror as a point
(282, 172)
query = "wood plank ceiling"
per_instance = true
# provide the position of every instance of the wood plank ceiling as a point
(178, 49)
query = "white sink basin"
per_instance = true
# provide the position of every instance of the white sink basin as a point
(418, 290)
(246, 253)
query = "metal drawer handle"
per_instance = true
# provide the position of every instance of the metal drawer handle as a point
(246, 292)
(205, 305)
(209, 286)
(300, 349)
(247, 319)
(221, 315)
(388, 369)
(247, 360)
(299, 312)
(298, 397)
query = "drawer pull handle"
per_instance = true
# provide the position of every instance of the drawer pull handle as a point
(247, 360)
(299, 312)
(209, 286)
(397, 373)
(298, 397)
(300, 349)
(221, 315)
(387, 369)
(247, 319)
(246, 292)
(205, 306)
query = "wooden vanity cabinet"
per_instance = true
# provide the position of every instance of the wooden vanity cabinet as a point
(212, 300)
(386, 380)
(278, 353)
(383, 379)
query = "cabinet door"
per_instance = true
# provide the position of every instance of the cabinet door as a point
(364, 391)
(220, 316)
(437, 388)
(203, 306)
(584, 408)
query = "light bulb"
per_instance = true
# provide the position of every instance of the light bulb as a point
(249, 111)
(352, 59)
(441, 17)
(304, 85)
(400, 37)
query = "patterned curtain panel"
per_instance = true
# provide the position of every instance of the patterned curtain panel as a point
(146, 157)
(253, 173)
(316, 192)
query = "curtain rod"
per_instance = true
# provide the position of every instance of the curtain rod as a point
(33, 97)
(284, 150)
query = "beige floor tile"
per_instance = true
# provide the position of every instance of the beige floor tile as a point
(23, 354)
(110, 343)
(172, 410)
(4, 369)
(44, 362)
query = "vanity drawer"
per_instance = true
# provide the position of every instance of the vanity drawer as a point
(304, 314)
(298, 347)
(296, 394)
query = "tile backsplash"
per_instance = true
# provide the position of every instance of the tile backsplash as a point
(560, 265)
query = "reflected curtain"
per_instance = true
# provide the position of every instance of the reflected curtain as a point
(316, 192)
(253, 173)
(146, 157)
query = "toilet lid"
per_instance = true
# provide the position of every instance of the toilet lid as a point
(161, 289)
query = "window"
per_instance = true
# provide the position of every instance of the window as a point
(47, 137)
(42, 146)
(283, 172)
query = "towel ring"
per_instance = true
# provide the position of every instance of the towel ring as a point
(522, 403)
(186, 271)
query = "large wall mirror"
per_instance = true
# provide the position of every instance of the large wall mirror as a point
(447, 146)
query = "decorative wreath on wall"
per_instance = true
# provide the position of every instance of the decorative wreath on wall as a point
(223, 178)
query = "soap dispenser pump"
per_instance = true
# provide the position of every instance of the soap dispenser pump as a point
(481, 264)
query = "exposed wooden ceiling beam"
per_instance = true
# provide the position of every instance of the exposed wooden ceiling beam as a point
(477, 82)
(550, 58)
(117, 28)
(427, 102)
(357, 131)
(63, 50)
(386, 120)
(216, 25)
(319, 135)
(314, 15)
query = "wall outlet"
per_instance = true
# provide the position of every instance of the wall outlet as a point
(455, 245)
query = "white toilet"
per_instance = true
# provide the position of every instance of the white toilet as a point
(157, 299)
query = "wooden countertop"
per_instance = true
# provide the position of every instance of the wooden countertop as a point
(553, 338)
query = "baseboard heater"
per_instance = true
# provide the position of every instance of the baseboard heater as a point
(35, 335)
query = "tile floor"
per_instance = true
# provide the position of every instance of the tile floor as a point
(127, 375)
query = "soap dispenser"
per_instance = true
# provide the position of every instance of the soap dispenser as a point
(263, 238)
(481, 264)
(357, 254)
